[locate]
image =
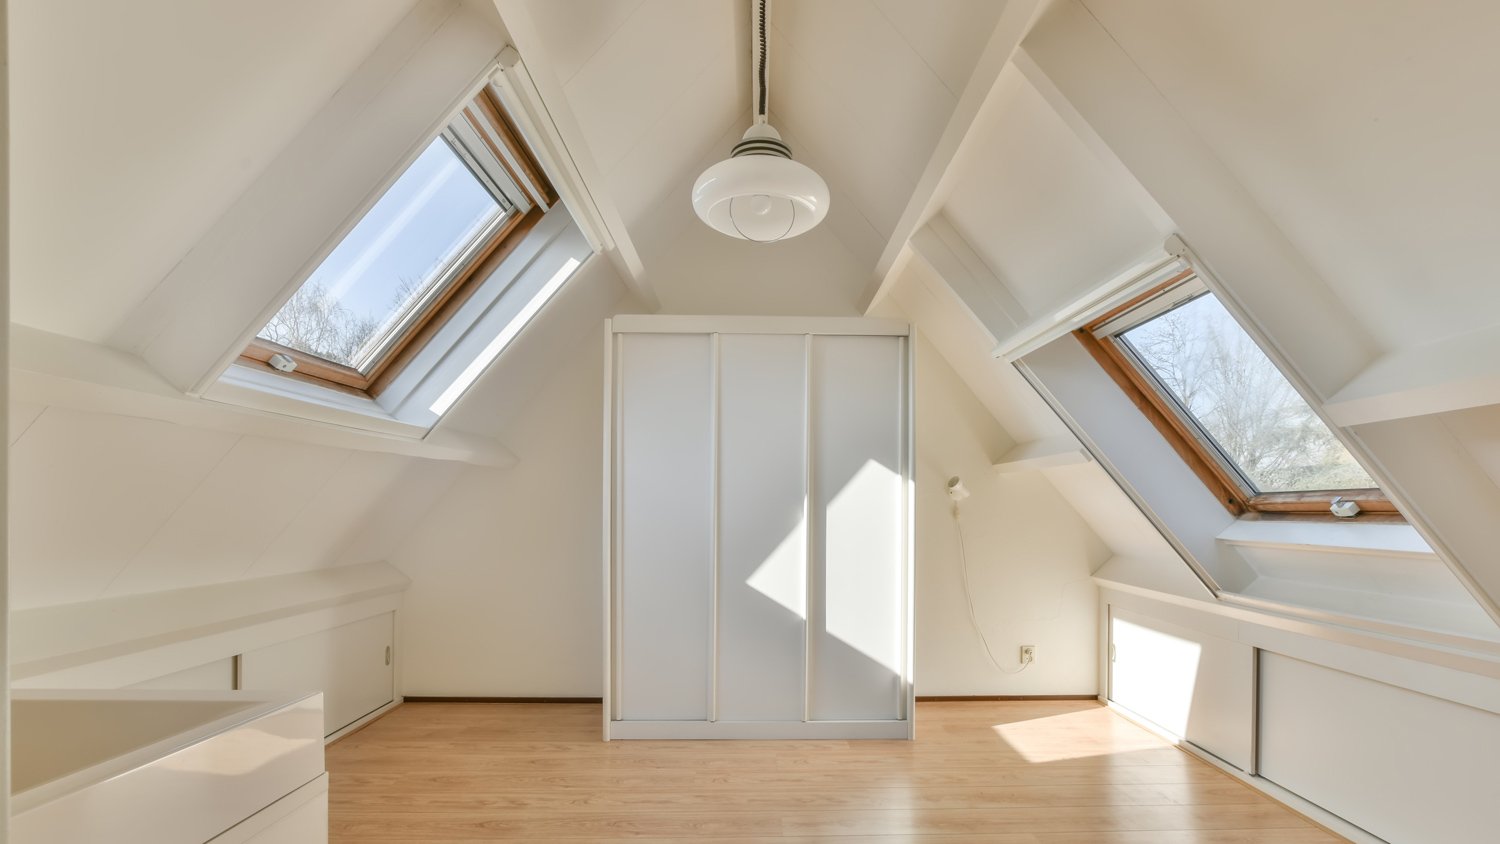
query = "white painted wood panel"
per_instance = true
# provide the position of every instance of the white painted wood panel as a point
(1402, 765)
(762, 577)
(98, 487)
(331, 518)
(665, 516)
(351, 664)
(233, 515)
(217, 676)
(1193, 685)
(21, 415)
(857, 600)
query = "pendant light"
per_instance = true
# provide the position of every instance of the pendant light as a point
(759, 193)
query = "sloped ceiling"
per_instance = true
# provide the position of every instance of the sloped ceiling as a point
(139, 123)
(861, 90)
(868, 87)
(1048, 218)
(1360, 133)
(1050, 221)
(1367, 130)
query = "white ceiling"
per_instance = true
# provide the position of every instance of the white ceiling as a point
(194, 100)
(136, 124)
(1367, 130)
(869, 86)
(654, 85)
(1038, 205)
(861, 89)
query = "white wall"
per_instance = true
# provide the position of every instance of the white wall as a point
(113, 505)
(1030, 557)
(506, 594)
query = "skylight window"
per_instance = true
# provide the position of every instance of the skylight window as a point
(1225, 406)
(412, 258)
(375, 281)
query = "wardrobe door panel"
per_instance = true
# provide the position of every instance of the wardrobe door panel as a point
(664, 499)
(857, 604)
(762, 576)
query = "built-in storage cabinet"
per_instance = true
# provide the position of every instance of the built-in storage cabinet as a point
(1189, 682)
(1401, 764)
(758, 558)
(351, 664)
(1395, 738)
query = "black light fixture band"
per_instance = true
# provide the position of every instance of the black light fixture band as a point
(761, 146)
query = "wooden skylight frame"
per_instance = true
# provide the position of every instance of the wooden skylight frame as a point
(1188, 439)
(486, 116)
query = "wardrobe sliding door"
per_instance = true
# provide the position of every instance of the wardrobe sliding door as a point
(665, 525)
(762, 573)
(857, 618)
(758, 528)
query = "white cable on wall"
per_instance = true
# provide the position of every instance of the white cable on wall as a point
(958, 492)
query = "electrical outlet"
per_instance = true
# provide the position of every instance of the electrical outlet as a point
(1028, 654)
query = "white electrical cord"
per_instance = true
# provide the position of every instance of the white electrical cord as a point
(963, 557)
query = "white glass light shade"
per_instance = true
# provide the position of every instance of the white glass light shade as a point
(760, 197)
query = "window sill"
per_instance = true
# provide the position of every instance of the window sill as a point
(51, 369)
(255, 388)
(1381, 576)
(1352, 537)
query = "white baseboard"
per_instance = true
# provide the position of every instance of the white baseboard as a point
(758, 730)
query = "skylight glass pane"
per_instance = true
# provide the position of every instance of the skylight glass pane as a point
(358, 301)
(1242, 401)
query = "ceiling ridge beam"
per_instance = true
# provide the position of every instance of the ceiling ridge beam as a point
(982, 292)
(538, 64)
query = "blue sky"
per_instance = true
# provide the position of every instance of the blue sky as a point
(434, 207)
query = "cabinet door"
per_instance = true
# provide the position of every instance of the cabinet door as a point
(1192, 684)
(351, 665)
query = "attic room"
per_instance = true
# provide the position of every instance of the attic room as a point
(1013, 421)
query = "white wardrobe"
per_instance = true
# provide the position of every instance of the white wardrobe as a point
(758, 528)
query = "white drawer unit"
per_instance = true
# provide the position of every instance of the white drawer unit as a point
(143, 766)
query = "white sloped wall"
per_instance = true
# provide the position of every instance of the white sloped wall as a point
(112, 505)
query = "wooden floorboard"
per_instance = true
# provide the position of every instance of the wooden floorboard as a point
(1007, 772)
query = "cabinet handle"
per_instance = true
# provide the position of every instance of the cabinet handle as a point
(387, 654)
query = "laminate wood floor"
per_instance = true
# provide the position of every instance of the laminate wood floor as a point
(991, 773)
